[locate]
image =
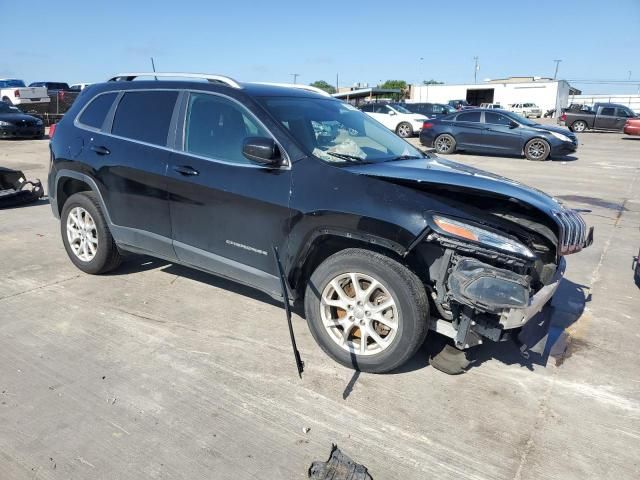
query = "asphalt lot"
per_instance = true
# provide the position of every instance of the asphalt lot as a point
(157, 371)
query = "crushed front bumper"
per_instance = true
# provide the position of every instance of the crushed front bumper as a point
(517, 317)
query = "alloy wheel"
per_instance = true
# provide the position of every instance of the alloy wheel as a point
(359, 313)
(579, 127)
(443, 144)
(82, 234)
(404, 130)
(536, 149)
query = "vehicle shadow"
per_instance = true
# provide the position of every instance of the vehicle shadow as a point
(636, 138)
(35, 203)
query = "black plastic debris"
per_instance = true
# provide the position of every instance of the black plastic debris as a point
(15, 189)
(338, 467)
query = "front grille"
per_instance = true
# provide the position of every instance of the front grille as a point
(574, 235)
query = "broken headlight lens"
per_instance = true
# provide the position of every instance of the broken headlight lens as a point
(469, 232)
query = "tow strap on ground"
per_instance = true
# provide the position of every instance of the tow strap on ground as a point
(16, 190)
(287, 309)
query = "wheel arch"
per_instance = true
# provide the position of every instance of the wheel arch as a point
(326, 244)
(70, 182)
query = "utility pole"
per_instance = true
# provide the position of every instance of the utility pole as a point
(475, 70)
(337, 84)
(629, 74)
(295, 77)
(555, 74)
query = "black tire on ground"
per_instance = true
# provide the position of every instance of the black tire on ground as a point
(404, 130)
(107, 256)
(445, 357)
(537, 149)
(7, 100)
(403, 285)
(445, 143)
(579, 126)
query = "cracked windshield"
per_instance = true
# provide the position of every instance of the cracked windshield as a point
(339, 133)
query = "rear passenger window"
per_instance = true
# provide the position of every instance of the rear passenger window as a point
(468, 117)
(216, 128)
(145, 116)
(96, 111)
(609, 112)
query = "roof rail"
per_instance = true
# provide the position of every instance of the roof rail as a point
(296, 85)
(230, 82)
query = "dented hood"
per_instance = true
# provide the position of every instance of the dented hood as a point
(456, 176)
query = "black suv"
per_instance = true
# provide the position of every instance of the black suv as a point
(381, 241)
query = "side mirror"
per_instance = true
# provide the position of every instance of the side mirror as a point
(513, 124)
(261, 150)
(391, 112)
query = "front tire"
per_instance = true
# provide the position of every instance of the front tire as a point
(86, 236)
(445, 144)
(366, 311)
(404, 130)
(537, 149)
(579, 126)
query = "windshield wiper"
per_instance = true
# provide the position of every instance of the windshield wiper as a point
(345, 156)
(404, 157)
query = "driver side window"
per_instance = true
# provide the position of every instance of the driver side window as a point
(216, 128)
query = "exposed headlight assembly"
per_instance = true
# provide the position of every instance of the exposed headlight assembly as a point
(560, 136)
(465, 231)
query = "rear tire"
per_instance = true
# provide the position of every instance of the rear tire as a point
(340, 315)
(404, 130)
(445, 144)
(579, 126)
(86, 236)
(537, 149)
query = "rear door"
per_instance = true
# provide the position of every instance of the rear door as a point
(498, 135)
(130, 161)
(468, 131)
(227, 213)
(606, 118)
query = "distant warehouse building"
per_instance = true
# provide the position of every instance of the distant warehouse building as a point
(547, 93)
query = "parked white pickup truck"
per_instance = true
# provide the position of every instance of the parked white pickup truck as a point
(15, 92)
(527, 110)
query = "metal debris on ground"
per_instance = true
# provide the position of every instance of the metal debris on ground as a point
(338, 467)
(16, 190)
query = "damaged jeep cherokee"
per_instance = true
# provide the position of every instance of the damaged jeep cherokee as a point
(381, 242)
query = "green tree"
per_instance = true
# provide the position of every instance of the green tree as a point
(432, 82)
(397, 84)
(322, 85)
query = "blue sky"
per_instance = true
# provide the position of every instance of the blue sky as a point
(83, 41)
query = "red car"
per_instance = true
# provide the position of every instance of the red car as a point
(632, 127)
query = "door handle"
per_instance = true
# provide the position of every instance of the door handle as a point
(100, 150)
(186, 170)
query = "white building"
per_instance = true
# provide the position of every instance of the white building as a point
(547, 93)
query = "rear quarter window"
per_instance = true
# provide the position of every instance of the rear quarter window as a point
(145, 116)
(95, 113)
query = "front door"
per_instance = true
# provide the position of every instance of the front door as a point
(498, 136)
(227, 213)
